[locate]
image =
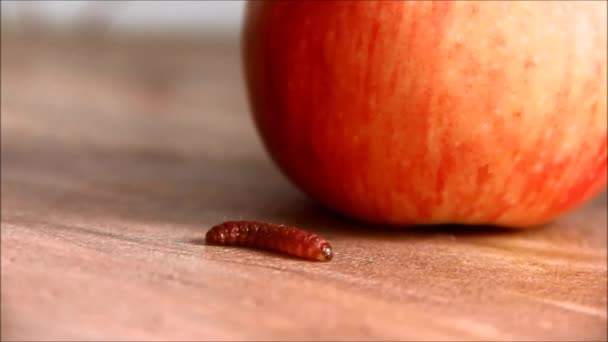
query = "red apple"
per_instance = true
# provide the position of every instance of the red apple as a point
(403, 112)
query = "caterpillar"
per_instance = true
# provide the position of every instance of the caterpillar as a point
(271, 237)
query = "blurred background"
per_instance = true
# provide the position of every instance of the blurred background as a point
(116, 61)
(134, 95)
(216, 17)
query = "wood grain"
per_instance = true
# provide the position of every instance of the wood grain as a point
(119, 154)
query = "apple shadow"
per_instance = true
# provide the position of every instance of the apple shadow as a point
(310, 215)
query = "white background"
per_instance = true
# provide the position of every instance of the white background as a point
(148, 16)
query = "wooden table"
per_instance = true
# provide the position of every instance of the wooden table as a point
(119, 154)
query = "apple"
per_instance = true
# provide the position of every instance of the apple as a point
(420, 112)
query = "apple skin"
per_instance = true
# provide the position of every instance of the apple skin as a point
(399, 113)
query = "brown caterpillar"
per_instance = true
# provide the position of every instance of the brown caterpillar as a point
(272, 237)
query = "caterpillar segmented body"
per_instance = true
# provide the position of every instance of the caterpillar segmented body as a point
(271, 237)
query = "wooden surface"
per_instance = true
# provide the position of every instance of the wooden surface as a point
(117, 156)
